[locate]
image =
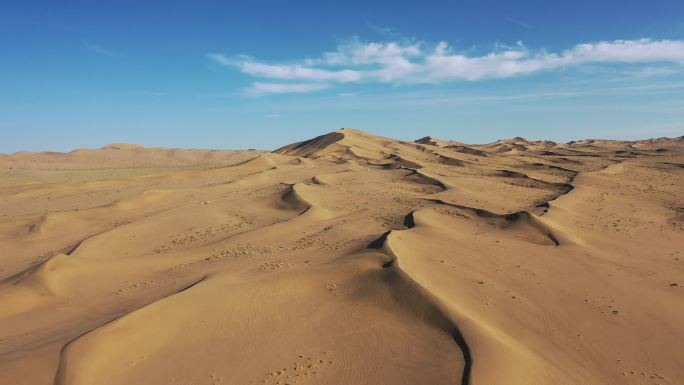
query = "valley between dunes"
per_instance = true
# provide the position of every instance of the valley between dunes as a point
(345, 259)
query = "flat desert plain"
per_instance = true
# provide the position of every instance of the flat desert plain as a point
(345, 259)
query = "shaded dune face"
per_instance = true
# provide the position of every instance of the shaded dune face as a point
(348, 258)
(311, 147)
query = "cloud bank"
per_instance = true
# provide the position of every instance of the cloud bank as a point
(259, 88)
(408, 62)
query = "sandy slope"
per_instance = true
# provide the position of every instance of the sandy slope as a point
(346, 259)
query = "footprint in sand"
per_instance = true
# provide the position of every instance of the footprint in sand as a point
(305, 369)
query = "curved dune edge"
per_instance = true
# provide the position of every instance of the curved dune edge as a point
(304, 196)
(61, 375)
(80, 362)
(425, 303)
(491, 356)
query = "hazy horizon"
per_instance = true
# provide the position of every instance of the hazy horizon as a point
(144, 145)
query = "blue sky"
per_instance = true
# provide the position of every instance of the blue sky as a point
(261, 74)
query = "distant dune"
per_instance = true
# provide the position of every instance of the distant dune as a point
(122, 146)
(348, 258)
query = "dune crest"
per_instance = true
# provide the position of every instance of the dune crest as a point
(122, 146)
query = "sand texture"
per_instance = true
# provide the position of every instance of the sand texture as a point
(345, 259)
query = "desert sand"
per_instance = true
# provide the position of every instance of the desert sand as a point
(345, 259)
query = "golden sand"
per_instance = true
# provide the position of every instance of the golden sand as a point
(346, 259)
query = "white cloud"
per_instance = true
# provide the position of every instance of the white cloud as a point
(445, 64)
(297, 72)
(651, 72)
(384, 61)
(259, 88)
(289, 72)
(357, 53)
(409, 61)
(628, 51)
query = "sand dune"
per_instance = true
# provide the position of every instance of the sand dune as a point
(345, 259)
